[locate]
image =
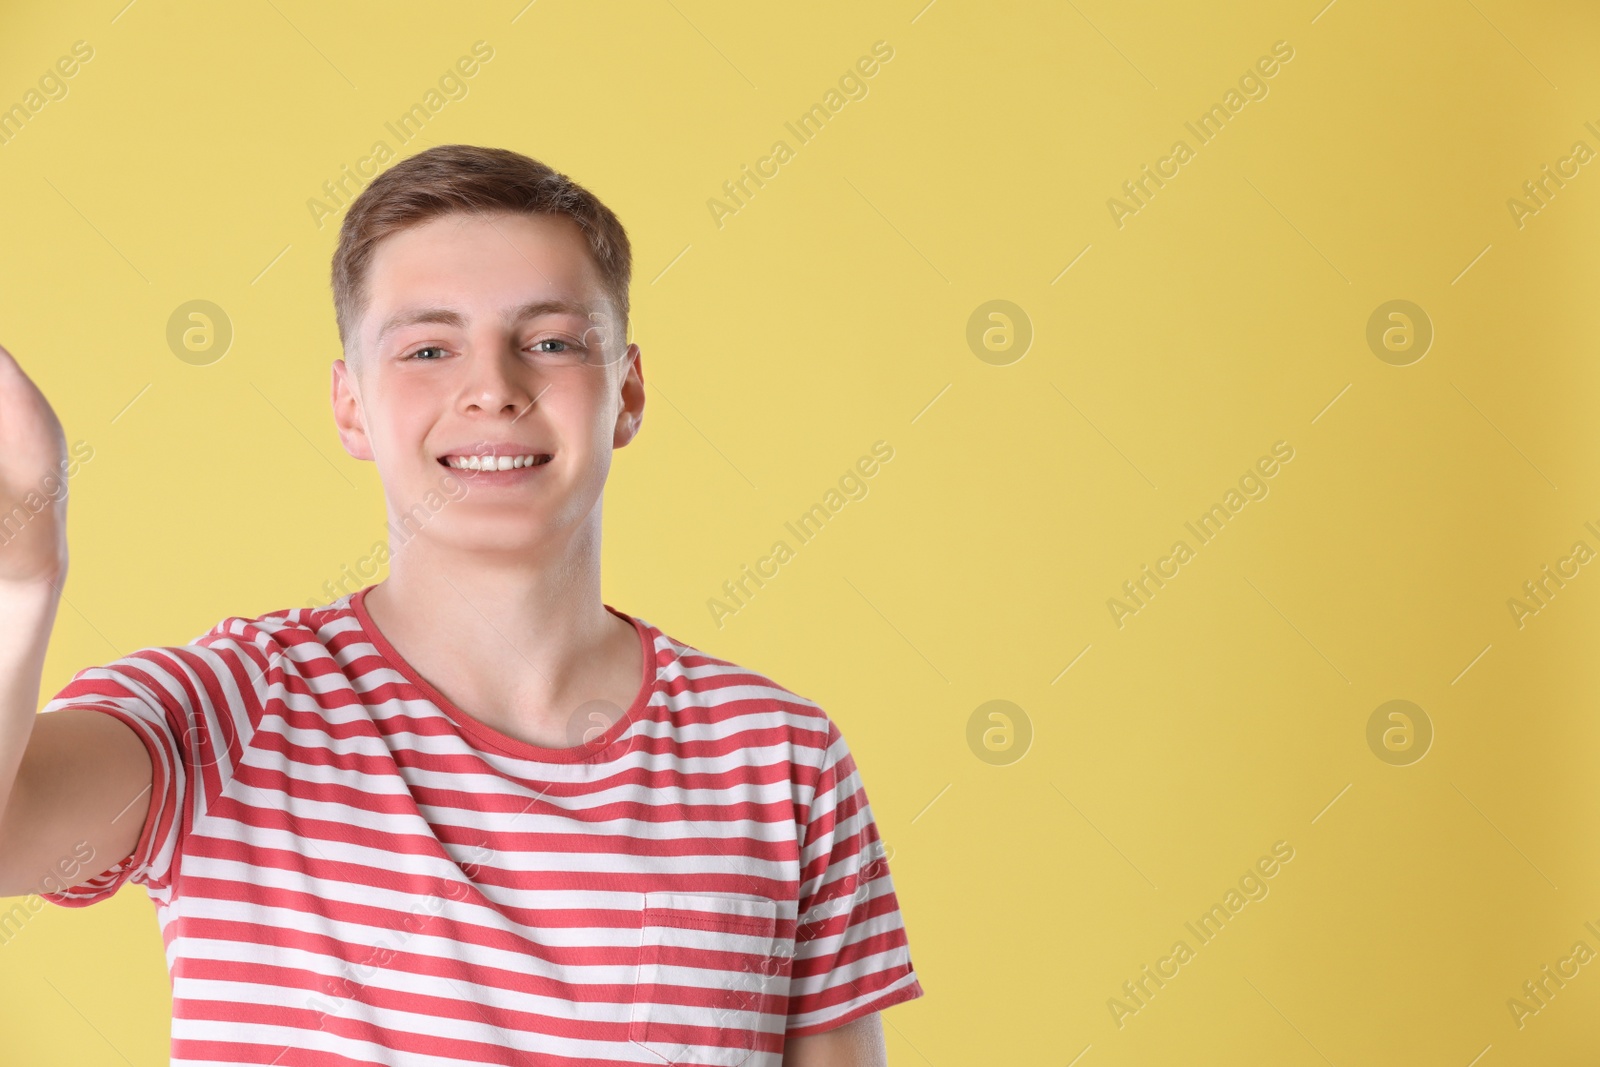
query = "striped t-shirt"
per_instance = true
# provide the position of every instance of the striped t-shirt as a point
(347, 869)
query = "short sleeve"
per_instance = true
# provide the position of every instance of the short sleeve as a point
(194, 707)
(851, 956)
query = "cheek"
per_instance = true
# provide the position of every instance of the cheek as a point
(581, 411)
(401, 415)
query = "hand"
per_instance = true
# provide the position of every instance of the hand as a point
(33, 482)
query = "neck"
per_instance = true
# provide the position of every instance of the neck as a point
(537, 621)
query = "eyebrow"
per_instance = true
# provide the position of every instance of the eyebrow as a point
(451, 317)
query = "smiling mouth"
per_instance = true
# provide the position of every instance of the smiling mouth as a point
(494, 463)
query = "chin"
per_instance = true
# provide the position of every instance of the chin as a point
(506, 535)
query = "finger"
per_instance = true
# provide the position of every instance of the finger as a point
(11, 371)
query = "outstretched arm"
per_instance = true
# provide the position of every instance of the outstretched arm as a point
(74, 787)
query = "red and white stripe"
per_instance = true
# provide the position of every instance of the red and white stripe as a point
(348, 870)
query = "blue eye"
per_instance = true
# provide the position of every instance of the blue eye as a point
(418, 353)
(565, 349)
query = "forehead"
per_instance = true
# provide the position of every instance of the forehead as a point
(480, 263)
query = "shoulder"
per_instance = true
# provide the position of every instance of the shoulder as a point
(696, 682)
(287, 636)
(240, 663)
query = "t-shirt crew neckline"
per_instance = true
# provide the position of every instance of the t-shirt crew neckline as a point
(587, 752)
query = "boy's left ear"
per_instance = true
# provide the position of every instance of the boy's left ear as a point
(347, 412)
(630, 413)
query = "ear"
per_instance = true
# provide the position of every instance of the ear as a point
(347, 414)
(630, 412)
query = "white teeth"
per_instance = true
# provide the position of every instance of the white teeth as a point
(491, 463)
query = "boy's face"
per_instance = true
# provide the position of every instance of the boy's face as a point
(455, 360)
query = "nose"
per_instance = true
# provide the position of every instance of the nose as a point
(494, 383)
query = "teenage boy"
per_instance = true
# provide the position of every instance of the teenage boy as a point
(470, 814)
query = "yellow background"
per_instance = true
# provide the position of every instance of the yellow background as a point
(831, 312)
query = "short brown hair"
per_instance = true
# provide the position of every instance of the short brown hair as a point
(475, 180)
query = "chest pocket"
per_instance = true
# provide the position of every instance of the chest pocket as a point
(707, 991)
